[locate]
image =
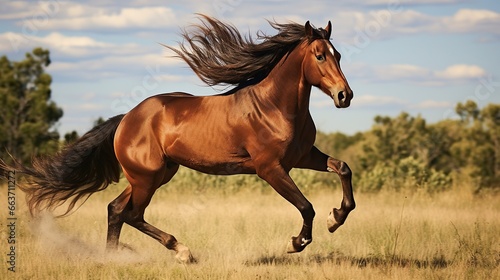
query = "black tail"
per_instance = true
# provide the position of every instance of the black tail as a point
(87, 166)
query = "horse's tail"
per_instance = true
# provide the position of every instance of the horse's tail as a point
(80, 169)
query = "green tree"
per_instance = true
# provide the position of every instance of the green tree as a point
(27, 115)
(478, 148)
(70, 137)
(491, 119)
(99, 121)
(394, 139)
(402, 152)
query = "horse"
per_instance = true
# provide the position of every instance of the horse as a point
(262, 126)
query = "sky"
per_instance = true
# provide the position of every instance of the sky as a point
(420, 57)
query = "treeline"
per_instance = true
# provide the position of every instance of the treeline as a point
(406, 152)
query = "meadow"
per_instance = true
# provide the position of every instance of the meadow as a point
(242, 233)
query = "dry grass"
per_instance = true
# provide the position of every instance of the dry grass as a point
(243, 235)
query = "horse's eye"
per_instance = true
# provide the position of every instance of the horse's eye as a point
(320, 57)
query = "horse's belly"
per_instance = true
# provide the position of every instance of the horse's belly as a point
(220, 158)
(223, 168)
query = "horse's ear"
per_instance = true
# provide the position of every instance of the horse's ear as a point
(309, 29)
(328, 30)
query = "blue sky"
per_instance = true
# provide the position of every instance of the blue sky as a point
(422, 57)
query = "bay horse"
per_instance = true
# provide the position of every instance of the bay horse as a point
(262, 126)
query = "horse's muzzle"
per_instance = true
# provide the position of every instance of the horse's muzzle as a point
(342, 98)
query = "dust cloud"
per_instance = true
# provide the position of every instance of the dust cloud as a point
(56, 242)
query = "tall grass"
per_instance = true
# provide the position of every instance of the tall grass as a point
(240, 231)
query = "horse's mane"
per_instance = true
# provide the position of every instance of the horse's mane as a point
(220, 55)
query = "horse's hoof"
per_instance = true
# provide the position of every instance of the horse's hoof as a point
(331, 222)
(290, 249)
(184, 255)
(296, 248)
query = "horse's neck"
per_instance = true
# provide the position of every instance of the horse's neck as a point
(286, 88)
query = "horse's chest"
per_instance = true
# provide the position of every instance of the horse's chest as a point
(299, 145)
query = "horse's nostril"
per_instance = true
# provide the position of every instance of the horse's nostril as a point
(341, 95)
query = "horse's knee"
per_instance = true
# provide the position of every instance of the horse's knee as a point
(344, 170)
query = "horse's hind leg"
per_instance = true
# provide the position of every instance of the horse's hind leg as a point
(143, 187)
(115, 222)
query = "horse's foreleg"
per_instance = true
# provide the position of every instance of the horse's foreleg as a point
(317, 160)
(279, 179)
(338, 216)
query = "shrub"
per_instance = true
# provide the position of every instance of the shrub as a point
(408, 174)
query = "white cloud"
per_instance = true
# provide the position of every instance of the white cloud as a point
(16, 10)
(464, 21)
(87, 58)
(60, 40)
(410, 2)
(66, 46)
(80, 17)
(65, 15)
(461, 71)
(154, 65)
(471, 16)
(401, 71)
(360, 28)
(81, 57)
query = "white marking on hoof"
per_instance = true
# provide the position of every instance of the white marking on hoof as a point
(329, 169)
(291, 249)
(305, 242)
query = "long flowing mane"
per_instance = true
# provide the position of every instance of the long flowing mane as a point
(220, 55)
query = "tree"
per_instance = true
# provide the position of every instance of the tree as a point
(491, 117)
(99, 121)
(394, 139)
(476, 150)
(27, 115)
(70, 137)
(468, 112)
(401, 152)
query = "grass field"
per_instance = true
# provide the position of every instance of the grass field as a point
(243, 235)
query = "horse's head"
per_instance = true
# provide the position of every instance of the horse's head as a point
(321, 66)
